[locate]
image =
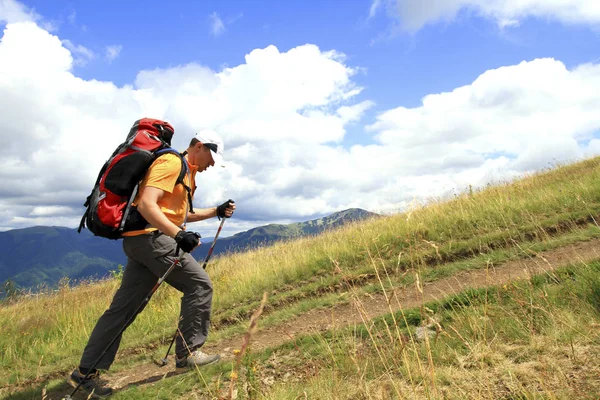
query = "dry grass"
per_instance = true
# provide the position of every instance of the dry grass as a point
(50, 331)
(526, 340)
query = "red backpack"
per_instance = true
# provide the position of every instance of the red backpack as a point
(108, 208)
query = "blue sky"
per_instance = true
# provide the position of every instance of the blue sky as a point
(399, 68)
(398, 52)
(442, 55)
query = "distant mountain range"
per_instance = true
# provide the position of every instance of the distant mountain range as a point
(43, 255)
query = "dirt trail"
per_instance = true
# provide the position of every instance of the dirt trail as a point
(376, 305)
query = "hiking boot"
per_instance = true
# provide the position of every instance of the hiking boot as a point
(91, 385)
(196, 359)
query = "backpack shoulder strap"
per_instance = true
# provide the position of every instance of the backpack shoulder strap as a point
(184, 171)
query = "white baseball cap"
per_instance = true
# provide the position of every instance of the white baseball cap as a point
(213, 141)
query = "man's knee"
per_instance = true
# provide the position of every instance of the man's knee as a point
(201, 284)
(195, 279)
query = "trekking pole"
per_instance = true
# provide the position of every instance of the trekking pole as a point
(140, 307)
(212, 246)
(164, 361)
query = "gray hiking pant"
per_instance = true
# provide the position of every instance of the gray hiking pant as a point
(148, 258)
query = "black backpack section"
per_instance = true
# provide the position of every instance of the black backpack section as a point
(109, 211)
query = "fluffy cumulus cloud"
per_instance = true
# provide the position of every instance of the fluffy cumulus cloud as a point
(13, 11)
(284, 116)
(509, 121)
(278, 111)
(412, 15)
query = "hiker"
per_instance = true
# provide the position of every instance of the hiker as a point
(151, 251)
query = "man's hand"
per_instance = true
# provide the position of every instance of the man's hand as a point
(226, 209)
(187, 241)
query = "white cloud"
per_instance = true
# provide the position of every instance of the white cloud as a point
(283, 115)
(509, 121)
(13, 11)
(82, 55)
(412, 15)
(217, 27)
(72, 17)
(112, 52)
(268, 108)
(355, 112)
(51, 211)
(375, 5)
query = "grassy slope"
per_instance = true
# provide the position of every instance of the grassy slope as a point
(526, 340)
(50, 332)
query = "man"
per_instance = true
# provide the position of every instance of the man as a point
(151, 251)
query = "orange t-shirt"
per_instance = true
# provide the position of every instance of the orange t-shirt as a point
(163, 174)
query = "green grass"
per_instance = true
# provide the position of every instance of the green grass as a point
(487, 343)
(441, 237)
(308, 299)
(522, 340)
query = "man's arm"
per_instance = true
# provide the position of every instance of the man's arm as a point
(202, 214)
(205, 213)
(150, 210)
